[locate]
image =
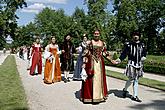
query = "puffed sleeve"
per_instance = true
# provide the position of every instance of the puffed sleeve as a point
(47, 54)
(124, 53)
(106, 54)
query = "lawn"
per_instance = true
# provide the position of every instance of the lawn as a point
(143, 81)
(12, 94)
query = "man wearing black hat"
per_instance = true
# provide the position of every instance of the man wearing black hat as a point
(135, 50)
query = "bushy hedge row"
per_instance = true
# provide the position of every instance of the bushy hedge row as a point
(152, 66)
(149, 66)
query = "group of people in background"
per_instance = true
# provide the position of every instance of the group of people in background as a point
(90, 60)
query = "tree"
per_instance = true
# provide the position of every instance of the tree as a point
(8, 17)
(147, 16)
(125, 11)
(53, 22)
(96, 15)
(78, 28)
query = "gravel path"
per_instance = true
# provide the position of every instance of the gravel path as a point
(3, 56)
(65, 96)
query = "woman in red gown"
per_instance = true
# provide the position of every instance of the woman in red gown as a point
(94, 88)
(36, 58)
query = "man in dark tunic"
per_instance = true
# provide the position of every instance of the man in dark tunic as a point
(67, 61)
(135, 50)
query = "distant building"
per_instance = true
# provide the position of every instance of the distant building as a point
(9, 40)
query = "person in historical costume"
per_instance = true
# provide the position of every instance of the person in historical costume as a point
(28, 57)
(4, 51)
(67, 61)
(36, 58)
(25, 56)
(94, 87)
(135, 50)
(52, 72)
(21, 52)
(80, 49)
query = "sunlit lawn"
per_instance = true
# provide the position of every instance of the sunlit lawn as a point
(143, 81)
(12, 94)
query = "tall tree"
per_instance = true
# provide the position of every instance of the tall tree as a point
(145, 15)
(53, 22)
(78, 28)
(8, 17)
(96, 14)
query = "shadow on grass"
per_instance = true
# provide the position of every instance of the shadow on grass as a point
(154, 105)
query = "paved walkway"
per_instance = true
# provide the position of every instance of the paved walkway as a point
(3, 56)
(65, 96)
(146, 75)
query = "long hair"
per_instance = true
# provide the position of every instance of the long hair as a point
(51, 39)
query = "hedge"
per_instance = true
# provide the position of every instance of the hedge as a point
(152, 67)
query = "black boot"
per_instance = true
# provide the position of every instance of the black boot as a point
(125, 93)
(135, 99)
(68, 79)
(65, 80)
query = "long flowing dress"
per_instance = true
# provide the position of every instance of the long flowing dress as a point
(94, 88)
(78, 68)
(52, 72)
(36, 60)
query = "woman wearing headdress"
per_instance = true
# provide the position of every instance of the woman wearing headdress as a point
(77, 73)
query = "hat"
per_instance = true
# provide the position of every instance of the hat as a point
(136, 33)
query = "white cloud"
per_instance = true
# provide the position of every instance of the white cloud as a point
(48, 1)
(35, 8)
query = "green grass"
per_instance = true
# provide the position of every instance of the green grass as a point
(143, 81)
(156, 58)
(12, 94)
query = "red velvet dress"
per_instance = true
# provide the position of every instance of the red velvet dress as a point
(94, 89)
(36, 60)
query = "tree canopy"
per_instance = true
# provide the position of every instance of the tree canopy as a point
(146, 16)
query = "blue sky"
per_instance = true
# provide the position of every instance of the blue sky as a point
(28, 14)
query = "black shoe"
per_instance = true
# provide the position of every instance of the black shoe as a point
(68, 79)
(136, 99)
(65, 80)
(125, 93)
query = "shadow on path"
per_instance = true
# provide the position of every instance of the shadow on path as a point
(155, 104)
(77, 94)
(118, 93)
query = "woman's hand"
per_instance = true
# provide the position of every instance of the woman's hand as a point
(114, 62)
(84, 65)
(63, 51)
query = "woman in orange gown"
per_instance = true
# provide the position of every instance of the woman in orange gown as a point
(52, 72)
